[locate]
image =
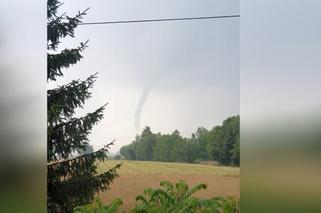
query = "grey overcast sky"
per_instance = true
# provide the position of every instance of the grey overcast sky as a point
(189, 70)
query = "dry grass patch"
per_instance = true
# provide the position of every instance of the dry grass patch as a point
(135, 176)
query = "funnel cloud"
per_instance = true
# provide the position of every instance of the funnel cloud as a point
(140, 105)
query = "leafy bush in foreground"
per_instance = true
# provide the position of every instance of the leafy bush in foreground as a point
(170, 198)
(99, 207)
(177, 198)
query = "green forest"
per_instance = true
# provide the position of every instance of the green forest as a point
(220, 144)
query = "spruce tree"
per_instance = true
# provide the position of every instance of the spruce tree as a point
(71, 181)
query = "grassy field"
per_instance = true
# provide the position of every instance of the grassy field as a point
(135, 176)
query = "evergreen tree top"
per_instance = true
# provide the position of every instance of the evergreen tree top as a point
(71, 181)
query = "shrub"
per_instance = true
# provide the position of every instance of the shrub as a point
(170, 198)
(99, 207)
(177, 198)
(117, 157)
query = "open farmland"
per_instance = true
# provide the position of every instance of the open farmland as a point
(135, 176)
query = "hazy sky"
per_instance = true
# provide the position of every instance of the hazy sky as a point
(188, 69)
(192, 67)
(280, 59)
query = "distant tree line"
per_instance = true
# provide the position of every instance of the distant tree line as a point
(221, 144)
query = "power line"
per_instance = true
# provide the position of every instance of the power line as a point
(158, 20)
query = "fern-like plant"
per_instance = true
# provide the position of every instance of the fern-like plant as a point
(177, 198)
(170, 198)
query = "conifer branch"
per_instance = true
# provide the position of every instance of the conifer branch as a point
(68, 161)
(57, 28)
(63, 100)
(64, 59)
